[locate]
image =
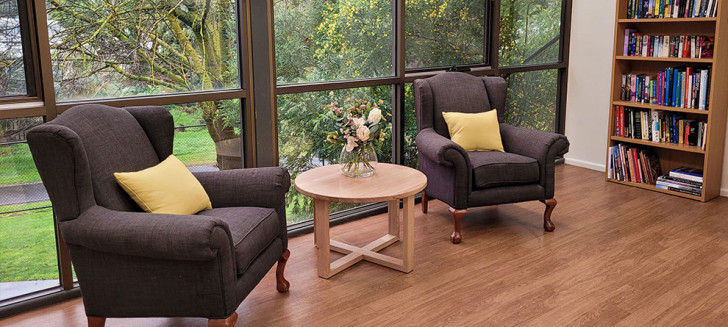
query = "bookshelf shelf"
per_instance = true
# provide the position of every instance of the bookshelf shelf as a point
(680, 60)
(658, 107)
(655, 189)
(667, 20)
(663, 145)
(709, 158)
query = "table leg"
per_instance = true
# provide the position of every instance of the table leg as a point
(408, 234)
(321, 237)
(394, 218)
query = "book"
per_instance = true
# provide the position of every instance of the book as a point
(681, 181)
(688, 173)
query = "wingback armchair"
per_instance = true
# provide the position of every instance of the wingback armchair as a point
(135, 264)
(463, 179)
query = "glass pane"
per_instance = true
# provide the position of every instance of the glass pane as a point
(531, 99)
(302, 138)
(207, 134)
(12, 67)
(318, 40)
(27, 236)
(107, 49)
(410, 128)
(444, 33)
(529, 32)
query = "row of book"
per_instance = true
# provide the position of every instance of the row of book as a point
(659, 126)
(667, 46)
(682, 87)
(671, 8)
(633, 164)
(684, 180)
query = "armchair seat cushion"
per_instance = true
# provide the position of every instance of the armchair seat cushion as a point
(252, 229)
(491, 169)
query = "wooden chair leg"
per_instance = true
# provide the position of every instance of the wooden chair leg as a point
(456, 214)
(96, 321)
(226, 322)
(281, 283)
(547, 224)
(424, 202)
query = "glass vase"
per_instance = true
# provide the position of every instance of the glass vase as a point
(360, 162)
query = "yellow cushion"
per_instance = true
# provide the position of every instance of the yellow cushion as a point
(475, 132)
(169, 187)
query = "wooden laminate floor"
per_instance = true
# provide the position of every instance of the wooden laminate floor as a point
(620, 256)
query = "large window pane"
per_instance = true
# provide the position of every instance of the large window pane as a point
(27, 237)
(318, 40)
(302, 145)
(106, 49)
(205, 147)
(531, 99)
(529, 32)
(444, 33)
(12, 68)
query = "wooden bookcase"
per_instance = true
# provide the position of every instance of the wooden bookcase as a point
(671, 155)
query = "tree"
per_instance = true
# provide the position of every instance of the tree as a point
(111, 48)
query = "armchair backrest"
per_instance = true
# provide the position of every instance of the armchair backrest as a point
(77, 153)
(454, 91)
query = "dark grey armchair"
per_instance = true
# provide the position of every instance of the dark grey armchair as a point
(464, 179)
(135, 264)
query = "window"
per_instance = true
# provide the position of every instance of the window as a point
(203, 147)
(12, 65)
(530, 32)
(27, 239)
(444, 33)
(130, 48)
(319, 40)
(531, 101)
(302, 145)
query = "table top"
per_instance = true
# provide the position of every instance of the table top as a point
(389, 182)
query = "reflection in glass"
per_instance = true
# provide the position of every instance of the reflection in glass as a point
(444, 33)
(109, 49)
(529, 32)
(318, 40)
(302, 132)
(27, 237)
(12, 67)
(531, 99)
(203, 146)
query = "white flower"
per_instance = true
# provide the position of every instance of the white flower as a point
(358, 122)
(350, 143)
(375, 115)
(362, 133)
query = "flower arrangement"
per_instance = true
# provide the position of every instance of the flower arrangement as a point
(359, 124)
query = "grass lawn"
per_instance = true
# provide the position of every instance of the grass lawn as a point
(27, 246)
(16, 165)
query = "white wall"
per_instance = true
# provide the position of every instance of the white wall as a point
(590, 75)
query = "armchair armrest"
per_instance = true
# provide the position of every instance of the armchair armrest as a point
(160, 236)
(441, 149)
(539, 145)
(447, 167)
(249, 187)
(533, 143)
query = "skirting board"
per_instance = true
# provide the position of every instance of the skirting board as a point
(586, 164)
(724, 192)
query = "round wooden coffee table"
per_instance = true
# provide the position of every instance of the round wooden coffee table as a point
(389, 183)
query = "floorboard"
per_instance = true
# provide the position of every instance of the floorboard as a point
(619, 256)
